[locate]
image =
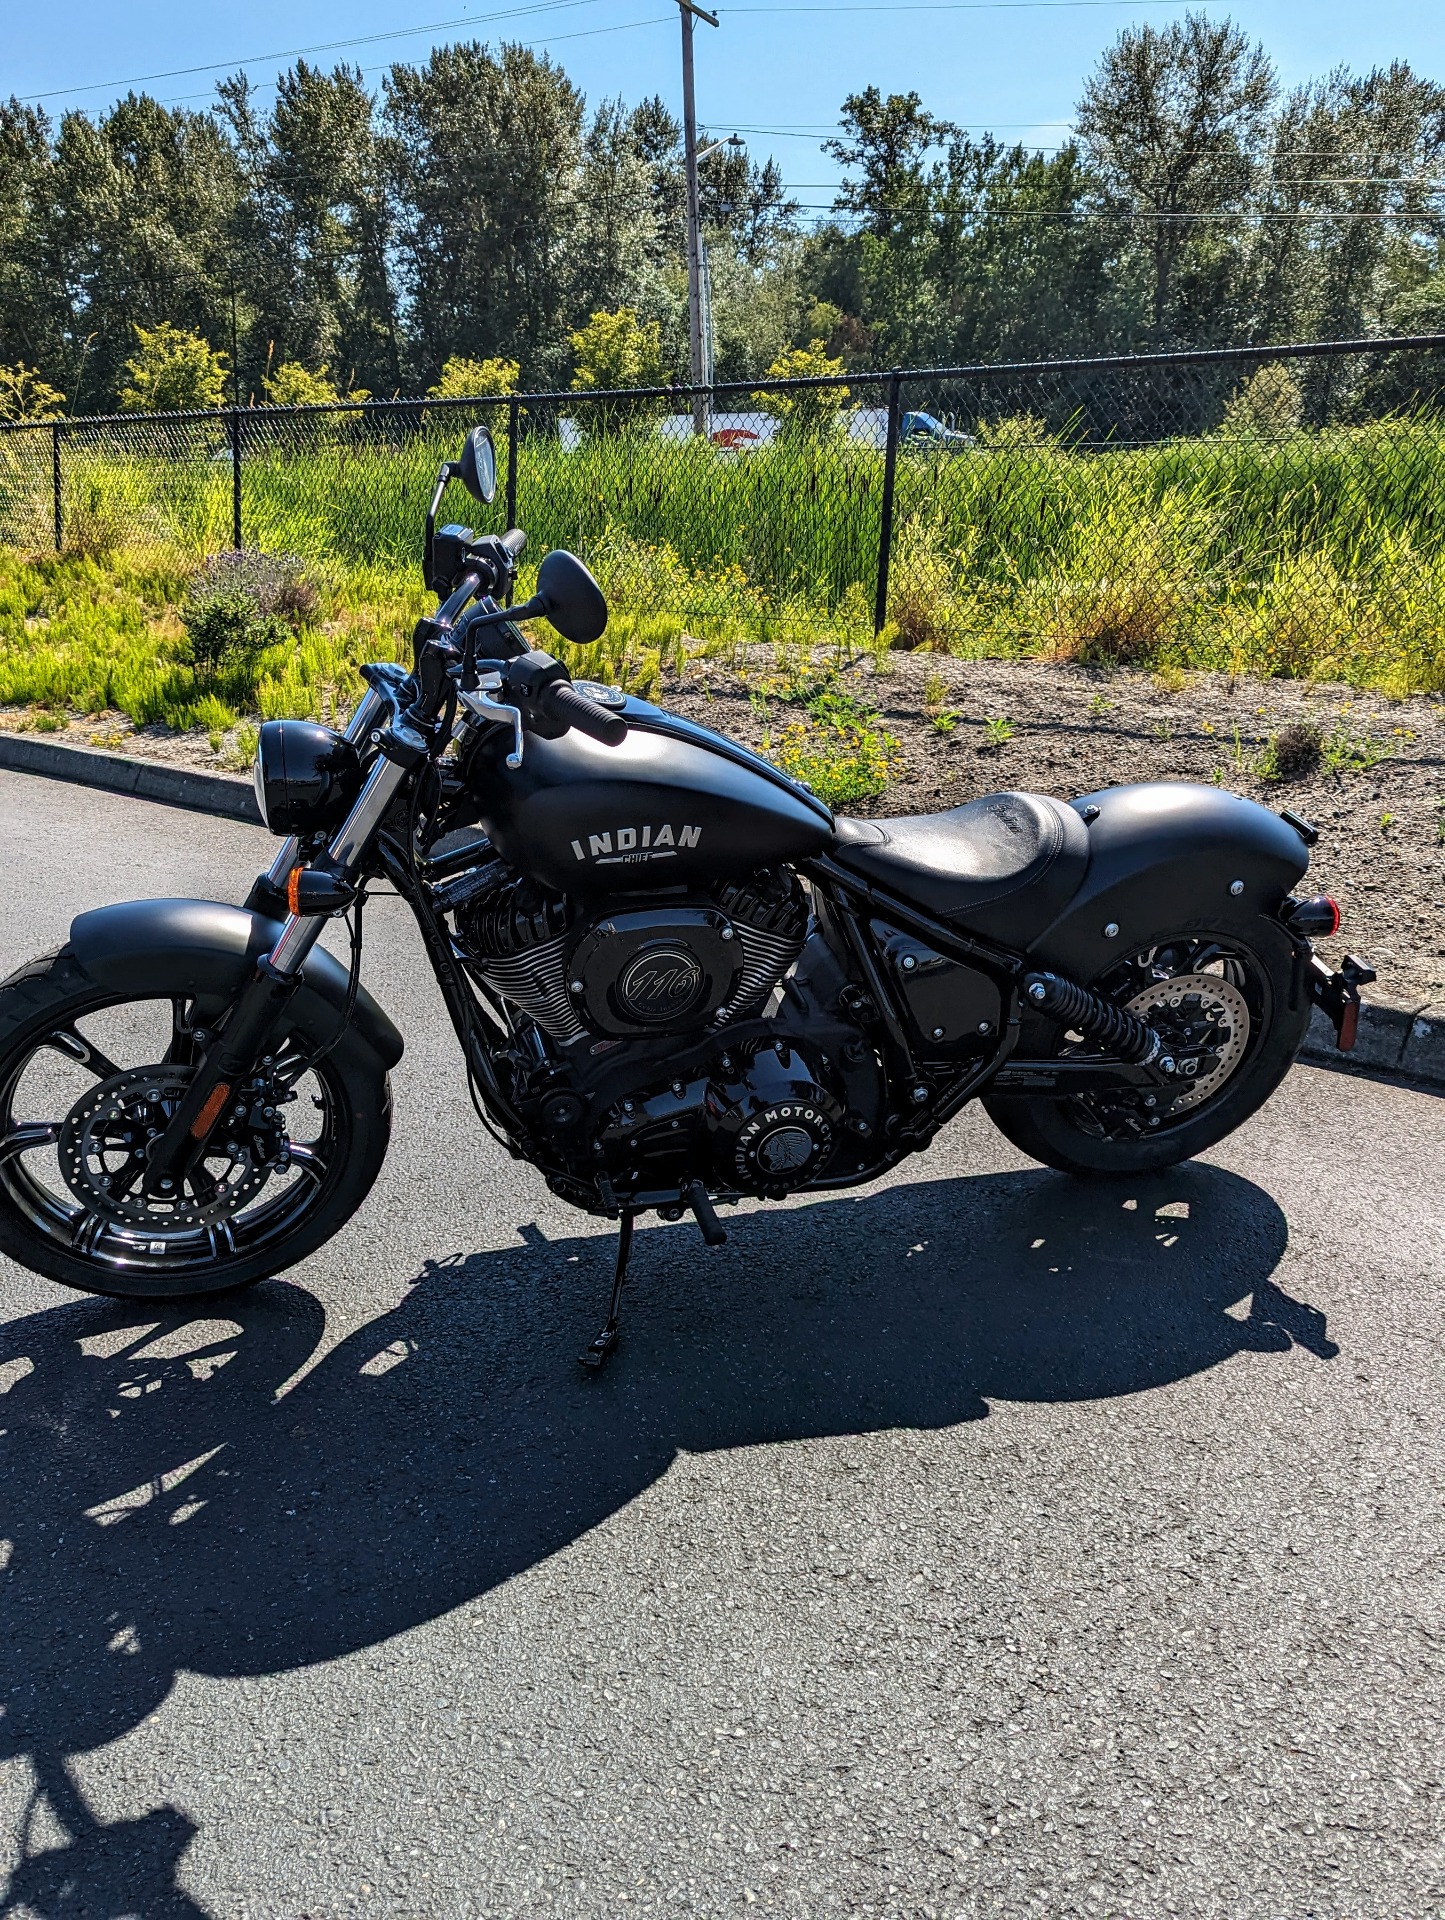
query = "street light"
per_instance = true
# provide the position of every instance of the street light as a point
(709, 343)
(687, 10)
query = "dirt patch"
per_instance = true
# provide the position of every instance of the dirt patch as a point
(113, 732)
(1368, 772)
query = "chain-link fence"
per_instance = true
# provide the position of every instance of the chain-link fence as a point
(1254, 505)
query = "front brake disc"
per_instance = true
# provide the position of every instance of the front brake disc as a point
(102, 1155)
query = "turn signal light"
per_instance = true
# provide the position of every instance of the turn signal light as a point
(1317, 918)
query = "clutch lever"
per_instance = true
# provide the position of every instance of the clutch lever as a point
(479, 701)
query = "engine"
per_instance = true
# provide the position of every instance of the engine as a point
(762, 1118)
(668, 969)
(713, 1086)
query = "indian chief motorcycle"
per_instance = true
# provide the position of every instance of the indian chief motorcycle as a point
(676, 977)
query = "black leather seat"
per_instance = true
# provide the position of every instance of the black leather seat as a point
(1003, 866)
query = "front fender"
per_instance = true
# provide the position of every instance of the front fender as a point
(1164, 857)
(200, 947)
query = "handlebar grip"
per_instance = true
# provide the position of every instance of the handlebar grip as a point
(570, 708)
(514, 541)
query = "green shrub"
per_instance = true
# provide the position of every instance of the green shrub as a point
(173, 371)
(464, 379)
(239, 604)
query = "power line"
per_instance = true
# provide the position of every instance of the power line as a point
(953, 6)
(552, 40)
(321, 46)
(1328, 180)
(1081, 214)
(556, 6)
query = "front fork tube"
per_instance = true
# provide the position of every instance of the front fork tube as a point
(261, 1004)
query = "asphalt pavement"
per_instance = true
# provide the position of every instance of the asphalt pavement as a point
(979, 1543)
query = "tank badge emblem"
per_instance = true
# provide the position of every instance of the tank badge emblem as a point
(626, 844)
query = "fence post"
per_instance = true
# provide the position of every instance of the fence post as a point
(514, 413)
(56, 496)
(235, 426)
(885, 510)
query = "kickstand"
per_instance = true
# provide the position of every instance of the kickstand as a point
(599, 1348)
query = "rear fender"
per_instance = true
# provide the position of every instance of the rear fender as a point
(1165, 857)
(201, 948)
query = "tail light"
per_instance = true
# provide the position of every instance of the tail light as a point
(1317, 918)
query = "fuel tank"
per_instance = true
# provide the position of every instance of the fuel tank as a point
(675, 805)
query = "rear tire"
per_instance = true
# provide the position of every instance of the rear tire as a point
(1059, 1132)
(297, 1208)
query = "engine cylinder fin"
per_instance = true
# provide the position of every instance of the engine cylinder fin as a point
(536, 981)
(766, 958)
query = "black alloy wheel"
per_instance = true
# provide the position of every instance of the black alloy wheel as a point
(1222, 1002)
(87, 1081)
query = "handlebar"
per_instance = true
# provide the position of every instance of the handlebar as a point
(562, 704)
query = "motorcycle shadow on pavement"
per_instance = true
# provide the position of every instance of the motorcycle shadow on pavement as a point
(168, 1507)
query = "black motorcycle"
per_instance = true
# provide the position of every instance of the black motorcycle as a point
(675, 976)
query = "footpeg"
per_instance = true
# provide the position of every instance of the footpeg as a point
(714, 1233)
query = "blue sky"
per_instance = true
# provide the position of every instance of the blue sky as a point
(778, 75)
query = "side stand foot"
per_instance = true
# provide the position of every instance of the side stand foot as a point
(597, 1351)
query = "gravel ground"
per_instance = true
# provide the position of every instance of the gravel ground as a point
(1382, 844)
(1075, 729)
(978, 1545)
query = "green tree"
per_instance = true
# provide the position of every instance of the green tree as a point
(291, 385)
(488, 163)
(25, 396)
(34, 290)
(883, 146)
(1266, 406)
(1024, 268)
(1173, 119)
(173, 371)
(315, 227)
(884, 268)
(144, 206)
(617, 350)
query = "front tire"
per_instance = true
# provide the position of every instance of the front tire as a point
(1086, 1136)
(74, 1118)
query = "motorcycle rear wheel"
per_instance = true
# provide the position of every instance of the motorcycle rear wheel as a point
(1076, 1135)
(74, 1119)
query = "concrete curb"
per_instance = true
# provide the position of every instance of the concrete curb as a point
(1393, 1043)
(217, 793)
(1406, 1043)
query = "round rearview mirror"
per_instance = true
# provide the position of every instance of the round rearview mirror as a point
(570, 598)
(477, 468)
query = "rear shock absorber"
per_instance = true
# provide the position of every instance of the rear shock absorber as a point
(1087, 1013)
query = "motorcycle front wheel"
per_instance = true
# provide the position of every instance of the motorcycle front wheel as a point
(88, 1079)
(1222, 1001)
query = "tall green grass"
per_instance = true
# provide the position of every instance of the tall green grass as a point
(1318, 554)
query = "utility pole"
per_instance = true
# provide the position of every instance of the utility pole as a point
(694, 215)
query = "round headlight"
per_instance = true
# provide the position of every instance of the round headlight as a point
(307, 777)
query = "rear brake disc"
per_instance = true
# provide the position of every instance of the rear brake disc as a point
(1196, 1012)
